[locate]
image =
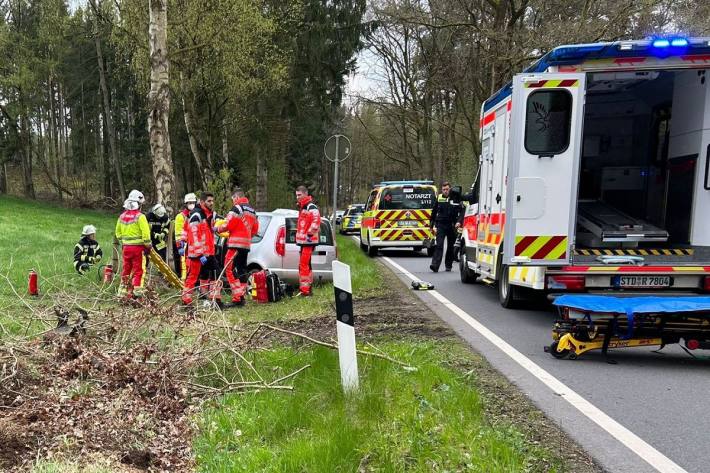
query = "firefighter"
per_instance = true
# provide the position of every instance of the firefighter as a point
(444, 223)
(241, 225)
(307, 237)
(133, 231)
(178, 245)
(159, 228)
(87, 251)
(200, 261)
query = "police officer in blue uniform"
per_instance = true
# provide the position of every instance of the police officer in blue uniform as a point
(444, 220)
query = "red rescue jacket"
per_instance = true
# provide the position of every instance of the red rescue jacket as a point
(198, 233)
(242, 224)
(308, 226)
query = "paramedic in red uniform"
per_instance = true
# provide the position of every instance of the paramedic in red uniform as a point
(201, 262)
(241, 224)
(307, 237)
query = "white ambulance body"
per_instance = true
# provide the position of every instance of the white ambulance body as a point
(594, 173)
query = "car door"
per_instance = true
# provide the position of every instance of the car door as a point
(546, 130)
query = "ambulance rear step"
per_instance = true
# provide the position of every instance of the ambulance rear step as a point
(604, 224)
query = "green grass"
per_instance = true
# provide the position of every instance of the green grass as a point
(426, 420)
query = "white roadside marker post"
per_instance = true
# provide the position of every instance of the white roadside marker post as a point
(345, 325)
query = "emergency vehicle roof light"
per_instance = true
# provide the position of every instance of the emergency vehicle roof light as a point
(679, 42)
(661, 43)
(626, 46)
(395, 183)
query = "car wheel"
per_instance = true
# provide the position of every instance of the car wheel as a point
(509, 295)
(467, 276)
(372, 251)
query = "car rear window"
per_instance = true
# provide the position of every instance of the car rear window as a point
(326, 235)
(409, 197)
(264, 221)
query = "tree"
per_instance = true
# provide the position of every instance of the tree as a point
(159, 105)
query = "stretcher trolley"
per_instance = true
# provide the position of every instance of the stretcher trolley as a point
(592, 322)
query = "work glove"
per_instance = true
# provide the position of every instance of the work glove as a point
(97, 258)
(179, 244)
(181, 250)
(83, 268)
(203, 260)
(91, 260)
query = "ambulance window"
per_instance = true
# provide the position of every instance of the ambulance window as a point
(547, 122)
(371, 200)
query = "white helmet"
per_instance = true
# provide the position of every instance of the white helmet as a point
(130, 204)
(159, 210)
(191, 197)
(136, 196)
(88, 230)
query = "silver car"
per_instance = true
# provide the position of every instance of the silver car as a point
(274, 247)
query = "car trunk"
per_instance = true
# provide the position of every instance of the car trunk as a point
(643, 185)
(323, 255)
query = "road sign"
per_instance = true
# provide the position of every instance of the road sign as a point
(337, 148)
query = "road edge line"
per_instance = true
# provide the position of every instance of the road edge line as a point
(630, 440)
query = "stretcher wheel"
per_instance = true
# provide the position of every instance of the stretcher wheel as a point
(558, 354)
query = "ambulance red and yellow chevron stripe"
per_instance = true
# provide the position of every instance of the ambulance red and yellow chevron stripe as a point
(421, 215)
(570, 83)
(541, 247)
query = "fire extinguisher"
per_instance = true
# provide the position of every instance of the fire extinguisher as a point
(33, 285)
(108, 273)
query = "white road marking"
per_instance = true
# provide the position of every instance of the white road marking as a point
(632, 441)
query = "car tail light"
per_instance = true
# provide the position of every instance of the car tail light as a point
(706, 284)
(281, 241)
(567, 282)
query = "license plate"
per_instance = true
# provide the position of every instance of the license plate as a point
(641, 281)
(407, 223)
(319, 259)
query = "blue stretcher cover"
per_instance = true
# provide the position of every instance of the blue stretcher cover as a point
(634, 305)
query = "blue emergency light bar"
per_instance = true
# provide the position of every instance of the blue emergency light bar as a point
(404, 183)
(578, 53)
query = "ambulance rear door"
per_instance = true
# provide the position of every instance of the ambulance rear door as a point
(543, 169)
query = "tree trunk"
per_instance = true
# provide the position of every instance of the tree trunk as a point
(262, 179)
(108, 117)
(159, 106)
(26, 158)
(225, 144)
(3, 178)
(202, 159)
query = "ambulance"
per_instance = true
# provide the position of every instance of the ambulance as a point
(398, 215)
(595, 174)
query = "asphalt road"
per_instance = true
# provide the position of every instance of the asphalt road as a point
(662, 398)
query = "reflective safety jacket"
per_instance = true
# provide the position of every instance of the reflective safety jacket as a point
(132, 229)
(242, 224)
(180, 220)
(198, 233)
(308, 225)
(86, 253)
(159, 229)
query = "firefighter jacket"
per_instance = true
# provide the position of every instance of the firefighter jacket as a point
(308, 225)
(242, 224)
(86, 253)
(132, 229)
(198, 234)
(159, 229)
(445, 213)
(180, 220)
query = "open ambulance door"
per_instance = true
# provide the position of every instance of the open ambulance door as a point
(545, 150)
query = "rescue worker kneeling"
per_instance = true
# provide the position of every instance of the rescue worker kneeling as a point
(241, 225)
(201, 262)
(133, 231)
(87, 251)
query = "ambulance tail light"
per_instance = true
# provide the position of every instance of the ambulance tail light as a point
(706, 284)
(280, 245)
(567, 282)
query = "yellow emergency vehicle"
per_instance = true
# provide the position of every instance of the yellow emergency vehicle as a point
(398, 215)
